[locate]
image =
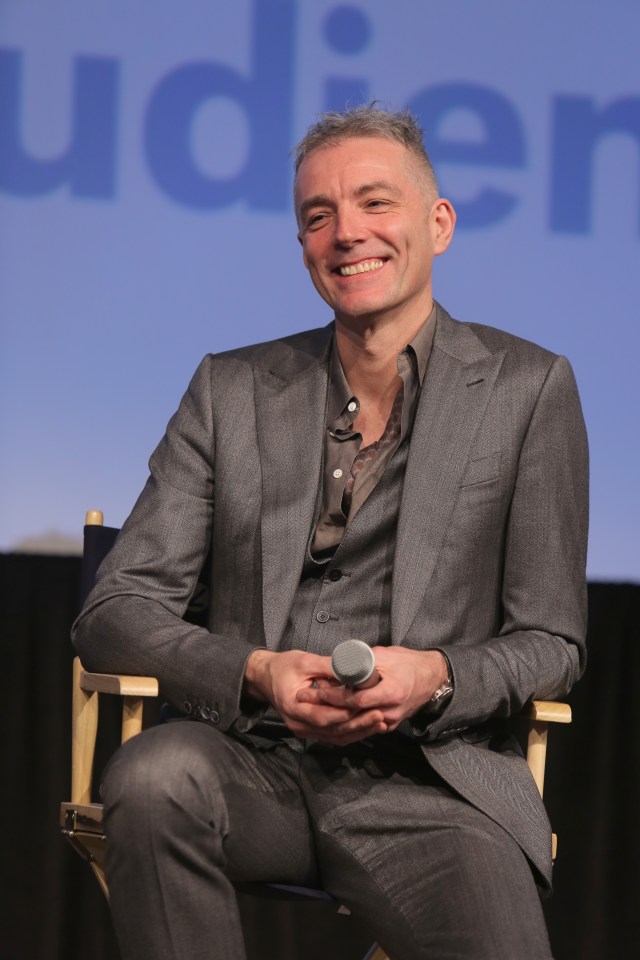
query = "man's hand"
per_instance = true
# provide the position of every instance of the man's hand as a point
(303, 690)
(291, 681)
(408, 680)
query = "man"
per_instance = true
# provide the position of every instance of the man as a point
(399, 477)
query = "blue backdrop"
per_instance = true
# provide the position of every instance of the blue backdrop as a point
(145, 212)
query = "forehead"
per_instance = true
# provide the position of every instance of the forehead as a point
(346, 166)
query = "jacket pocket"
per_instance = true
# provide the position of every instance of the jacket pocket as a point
(482, 469)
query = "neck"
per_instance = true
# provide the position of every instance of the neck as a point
(369, 351)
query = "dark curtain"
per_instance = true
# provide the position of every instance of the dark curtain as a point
(593, 791)
(52, 909)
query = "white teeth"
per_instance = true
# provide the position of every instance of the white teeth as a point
(363, 267)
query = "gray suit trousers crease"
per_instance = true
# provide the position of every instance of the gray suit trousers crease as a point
(189, 810)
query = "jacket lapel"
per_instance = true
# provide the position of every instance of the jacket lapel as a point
(290, 412)
(457, 386)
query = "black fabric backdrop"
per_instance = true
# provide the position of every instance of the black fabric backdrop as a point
(52, 909)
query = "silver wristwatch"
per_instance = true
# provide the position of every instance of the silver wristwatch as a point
(440, 697)
(442, 694)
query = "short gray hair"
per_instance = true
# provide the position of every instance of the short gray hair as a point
(367, 120)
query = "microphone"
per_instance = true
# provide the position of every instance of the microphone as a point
(354, 664)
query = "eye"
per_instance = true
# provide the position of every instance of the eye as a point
(316, 220)
(372, 204)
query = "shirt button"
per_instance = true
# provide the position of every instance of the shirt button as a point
(352, 406)
(335, 575)
(337, 473)
(322, 616)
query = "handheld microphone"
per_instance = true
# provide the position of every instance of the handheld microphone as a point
(354, 664)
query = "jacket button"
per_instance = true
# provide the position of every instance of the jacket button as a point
(205, 712)
(186, 706)
(322, 616)
(335, 575)
(372, 768)
(215, 716)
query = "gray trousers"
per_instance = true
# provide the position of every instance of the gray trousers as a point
(189, 810)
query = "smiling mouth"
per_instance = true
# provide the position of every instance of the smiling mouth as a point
(365, 266)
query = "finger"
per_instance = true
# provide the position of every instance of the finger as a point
(321, 715)
(340, 696)
(392, 710)
(337, 736)
(362, 725)
(315, 666)
(325, 694)
(344, 738)
(325, 722)
(323, 683)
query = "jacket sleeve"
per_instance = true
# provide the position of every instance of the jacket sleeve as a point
(132, 620)
(539, 650)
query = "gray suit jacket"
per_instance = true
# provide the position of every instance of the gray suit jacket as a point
(490, 552)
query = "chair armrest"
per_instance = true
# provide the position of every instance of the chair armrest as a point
(120, 684)
(548, 711)
(86, 687)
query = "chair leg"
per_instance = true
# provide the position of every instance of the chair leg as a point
(375, 953)
(100, 877)
(85, 726)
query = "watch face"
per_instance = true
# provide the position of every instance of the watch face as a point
(441, 695)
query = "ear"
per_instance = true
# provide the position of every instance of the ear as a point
(443, 220)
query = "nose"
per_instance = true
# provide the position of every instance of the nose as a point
(348, 228)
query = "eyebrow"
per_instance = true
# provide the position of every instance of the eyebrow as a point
(320, 200)
(377, 185)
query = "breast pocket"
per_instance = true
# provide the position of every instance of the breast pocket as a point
(482, 470)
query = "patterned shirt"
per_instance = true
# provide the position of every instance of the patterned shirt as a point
(350, 471)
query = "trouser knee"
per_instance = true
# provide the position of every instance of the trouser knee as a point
(164, 775)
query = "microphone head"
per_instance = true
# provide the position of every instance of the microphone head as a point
(352, 662)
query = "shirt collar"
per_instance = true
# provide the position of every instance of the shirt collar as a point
(340, 393)
(422, 343)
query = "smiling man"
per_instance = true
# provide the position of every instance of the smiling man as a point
(400, 477)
